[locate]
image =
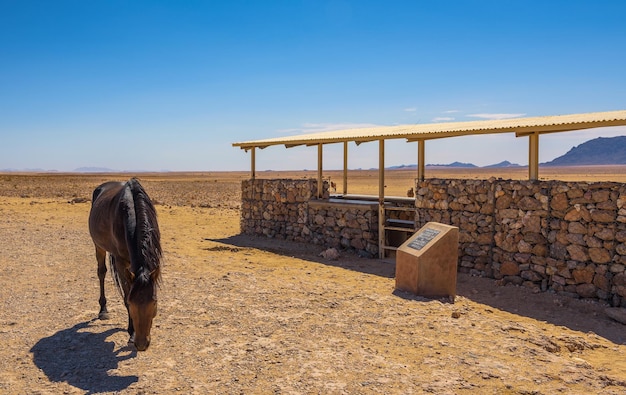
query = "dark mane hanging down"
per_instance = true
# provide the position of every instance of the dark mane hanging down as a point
(147, 237)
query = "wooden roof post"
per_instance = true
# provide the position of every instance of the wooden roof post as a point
(253, 163)
(320, 188)
(420, 159)
(533, 156)
(381, 198)
(381, 170)
(345, 167)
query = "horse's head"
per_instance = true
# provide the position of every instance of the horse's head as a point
(142, 308)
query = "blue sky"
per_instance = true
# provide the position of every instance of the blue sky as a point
(170, 85)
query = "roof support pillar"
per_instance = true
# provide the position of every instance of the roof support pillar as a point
(345, 167)
(420, 159)
(320, 185)
(381, 170)
(253, 163)
(381, 198)
(533, 156)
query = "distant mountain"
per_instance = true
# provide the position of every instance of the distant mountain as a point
(599, 151)
(108, 170)
(401, 167)
(94, 170)
(505, 163)
(36, 170)
(453, 164)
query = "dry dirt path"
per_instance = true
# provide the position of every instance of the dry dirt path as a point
(240, 315)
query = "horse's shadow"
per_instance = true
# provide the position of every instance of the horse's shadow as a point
(83, 359)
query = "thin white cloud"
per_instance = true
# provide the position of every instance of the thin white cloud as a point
(495, 116)
(325, 127)
(410, 109)
(288, 131)
(451, 111)
(442, 119)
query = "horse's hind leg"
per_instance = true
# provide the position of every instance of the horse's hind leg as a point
(102, 271)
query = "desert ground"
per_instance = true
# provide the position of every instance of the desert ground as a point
(247, 315)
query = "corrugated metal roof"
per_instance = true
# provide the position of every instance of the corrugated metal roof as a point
(520, 126)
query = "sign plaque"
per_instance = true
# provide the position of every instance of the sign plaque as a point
(423, 238)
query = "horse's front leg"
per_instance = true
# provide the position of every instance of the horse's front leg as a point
(131, 329)
(102, 271)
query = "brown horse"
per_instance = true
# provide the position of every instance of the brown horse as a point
(123, 222)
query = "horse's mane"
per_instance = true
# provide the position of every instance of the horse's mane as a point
(147, 238)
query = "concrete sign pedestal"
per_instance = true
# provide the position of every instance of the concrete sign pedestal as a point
(426, 264)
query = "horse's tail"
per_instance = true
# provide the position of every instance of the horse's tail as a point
(145, 236)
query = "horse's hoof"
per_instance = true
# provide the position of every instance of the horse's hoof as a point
(103, 316)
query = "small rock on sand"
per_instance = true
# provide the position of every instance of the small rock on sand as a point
(330, 254)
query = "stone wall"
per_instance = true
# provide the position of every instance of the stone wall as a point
(277, 208)
(290, 210)
(352, 226)
(468, 205)
(569, 237)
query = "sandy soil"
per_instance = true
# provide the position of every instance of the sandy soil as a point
(244, 315)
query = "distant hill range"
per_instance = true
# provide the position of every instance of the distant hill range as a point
(87, 169)
(458, 165)
(38, 170)
(505, 163)
(94, 170)
(453, 164)
(599, 151)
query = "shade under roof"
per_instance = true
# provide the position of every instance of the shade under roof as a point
(519, 126)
